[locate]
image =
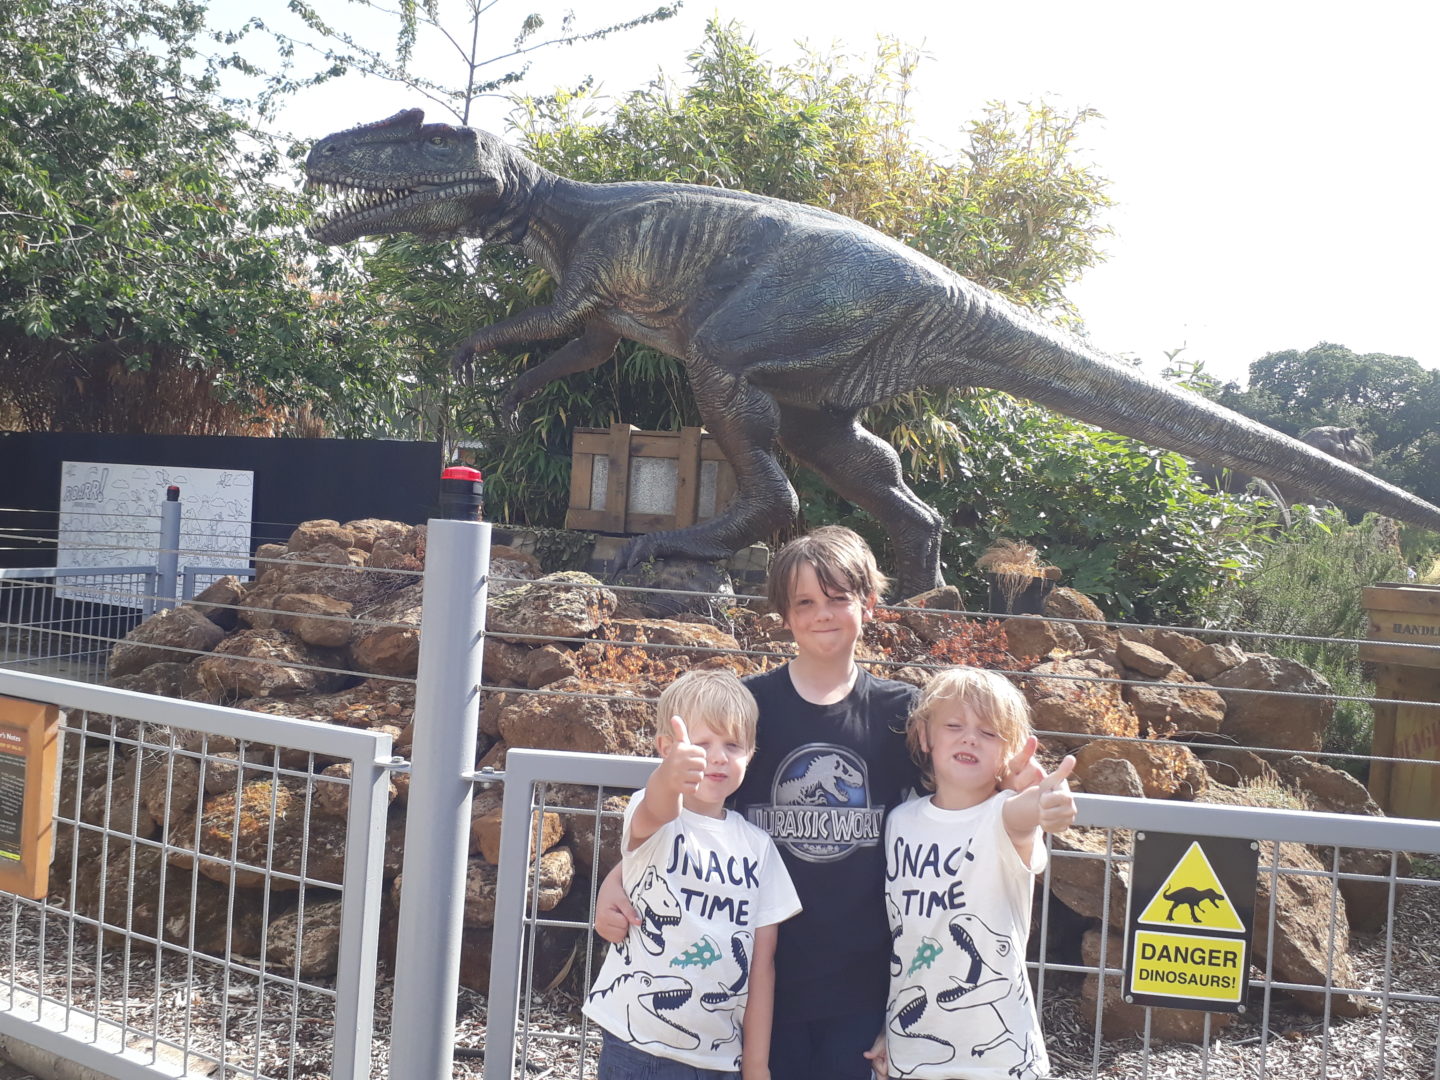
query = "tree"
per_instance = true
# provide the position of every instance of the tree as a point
(1391, 399)
(831, 131)
(331, 50)
(151, 279)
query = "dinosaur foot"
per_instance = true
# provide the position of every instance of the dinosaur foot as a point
(671, 586)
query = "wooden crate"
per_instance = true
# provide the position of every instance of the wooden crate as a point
(624, 480)
(1399, 615)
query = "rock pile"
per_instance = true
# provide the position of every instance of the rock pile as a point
(329, 631)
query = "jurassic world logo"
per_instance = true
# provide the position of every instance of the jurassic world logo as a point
(820, 805)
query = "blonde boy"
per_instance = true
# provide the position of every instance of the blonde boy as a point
(960, 870)
(688, 993)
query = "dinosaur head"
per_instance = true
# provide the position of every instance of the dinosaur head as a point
(404, 175)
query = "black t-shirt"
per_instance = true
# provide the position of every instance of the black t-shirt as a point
(821, 782)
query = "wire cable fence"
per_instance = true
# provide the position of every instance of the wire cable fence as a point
(573, 665)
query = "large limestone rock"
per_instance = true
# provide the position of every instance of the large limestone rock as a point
(171, 636)
(1176, 705)
(672, 640)
(1266, 719)
(1367, 903)
(557, 872)
(1166, 770)
(591, 857)
(1069, 705)
(592, 717)
(1079, 880)
(1210, 660)
(1171, 643)
(1041, 637)
(1066, 603)
(1311, 935)
(1144, 660)
(241, 822)
(267, 663)
(133, 896)
(1113, 776)
(387, 637)
(218, 600)
(313, 940)
(567, 605)
(318, 620)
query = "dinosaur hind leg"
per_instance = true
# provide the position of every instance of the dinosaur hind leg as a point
(865, 470)
(743, 421)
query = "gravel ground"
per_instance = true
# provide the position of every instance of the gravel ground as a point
(285, 1032)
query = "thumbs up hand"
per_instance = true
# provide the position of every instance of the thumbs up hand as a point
(1045, 802)
(1057, 805)
(682, 764)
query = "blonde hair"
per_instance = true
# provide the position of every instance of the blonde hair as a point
(843, 564)
(988, 693)
(714, 697)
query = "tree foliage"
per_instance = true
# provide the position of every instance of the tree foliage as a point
(1392, 400)
(1016, 212)
(150, 278)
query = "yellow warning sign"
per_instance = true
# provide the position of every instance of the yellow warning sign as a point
(1187, 965)
(1192, 895)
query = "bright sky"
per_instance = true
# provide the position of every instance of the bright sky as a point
(1271, 161)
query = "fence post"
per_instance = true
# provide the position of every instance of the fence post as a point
(437, 825)
(167, 561)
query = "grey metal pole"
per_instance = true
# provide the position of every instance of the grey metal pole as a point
(167, 560)
(437, 826)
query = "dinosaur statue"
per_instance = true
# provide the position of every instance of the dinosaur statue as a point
(790, 320)
(1343, 443)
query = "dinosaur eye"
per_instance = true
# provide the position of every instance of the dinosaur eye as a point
(437, 140)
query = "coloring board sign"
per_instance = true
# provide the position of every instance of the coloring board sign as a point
(110, 516)
(1192, 910)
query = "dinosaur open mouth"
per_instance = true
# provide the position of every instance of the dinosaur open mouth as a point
(909, 1014)
(349, 204)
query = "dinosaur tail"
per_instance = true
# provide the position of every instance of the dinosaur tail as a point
(1009, 349)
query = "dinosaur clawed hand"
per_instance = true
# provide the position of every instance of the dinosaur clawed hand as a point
(463, 363)
(521, 391)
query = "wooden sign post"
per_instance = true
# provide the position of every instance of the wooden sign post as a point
(29, 740)
(1400, 616)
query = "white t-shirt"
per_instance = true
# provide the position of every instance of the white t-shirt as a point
(958, 895)
(676, 986)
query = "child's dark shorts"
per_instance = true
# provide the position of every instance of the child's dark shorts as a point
(621, 1061)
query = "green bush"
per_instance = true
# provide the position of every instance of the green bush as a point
(1308, 584)
(1126, 523)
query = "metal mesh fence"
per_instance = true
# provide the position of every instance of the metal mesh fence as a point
(1330, 994)
(210, 890)
(569, 661)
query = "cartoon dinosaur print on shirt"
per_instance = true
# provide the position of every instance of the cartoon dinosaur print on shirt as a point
(907, 1048)
(657, 908)
(647, 998)
(984, 985)
(819, 784)
(896, 964)
(729, 997)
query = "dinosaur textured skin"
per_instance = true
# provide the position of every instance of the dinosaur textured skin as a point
(790, 320)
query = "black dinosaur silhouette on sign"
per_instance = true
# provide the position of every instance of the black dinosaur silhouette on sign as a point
(1191, 898)
(790, 320)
